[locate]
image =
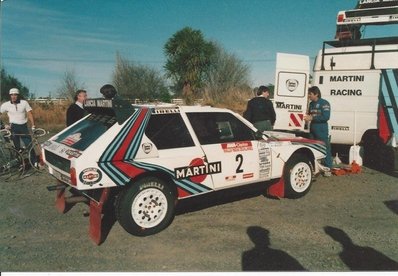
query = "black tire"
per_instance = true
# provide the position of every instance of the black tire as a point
(298, 176)
(11, 163)
(38, 165)
(146, 207)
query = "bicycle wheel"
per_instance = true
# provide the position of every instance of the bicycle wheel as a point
(11, 163)
(35, 157)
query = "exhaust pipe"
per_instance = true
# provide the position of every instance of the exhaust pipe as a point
(56, 187)
(76, 199)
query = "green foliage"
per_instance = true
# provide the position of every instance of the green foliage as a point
(134, 81)
(8, 82)
(188, 58)
(69, 86)
(225, 73)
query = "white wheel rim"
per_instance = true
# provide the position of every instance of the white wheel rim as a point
(149, 208)
(300, 177)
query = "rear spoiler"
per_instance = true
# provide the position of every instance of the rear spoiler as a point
(117, 107)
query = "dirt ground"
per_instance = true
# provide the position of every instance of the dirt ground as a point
(344, 223)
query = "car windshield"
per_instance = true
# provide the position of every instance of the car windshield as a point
(84, 133)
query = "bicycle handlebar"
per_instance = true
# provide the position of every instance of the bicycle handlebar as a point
(37, 132)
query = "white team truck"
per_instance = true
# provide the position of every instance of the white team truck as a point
(148, 158)
(359, 78)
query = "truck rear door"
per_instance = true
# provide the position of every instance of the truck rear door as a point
(290, 95)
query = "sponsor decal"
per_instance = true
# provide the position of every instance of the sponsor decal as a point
(368, 4)
(90, 176)
(341, 128)
(290, 107)
(347, 78)
(230, 178)
(50, 145)
(98, 103)
(72, 139)
(292, 84)
(147, 147)
(166, 110)
(346, 92)
(264, 154)
(237, 146)
(47, 143)
(61, 177)
(72, 153)
(248, 175)
(197, 170)
(296, 120)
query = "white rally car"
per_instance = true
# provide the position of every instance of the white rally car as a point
(147, 158)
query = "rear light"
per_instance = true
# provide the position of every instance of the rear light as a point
(73, 179)
(340, 17)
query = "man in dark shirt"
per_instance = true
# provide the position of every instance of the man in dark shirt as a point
(260, 111)
(76, 110)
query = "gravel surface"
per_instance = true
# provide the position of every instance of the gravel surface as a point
(344, 223)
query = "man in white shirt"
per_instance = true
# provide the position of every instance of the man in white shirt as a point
(19, 111)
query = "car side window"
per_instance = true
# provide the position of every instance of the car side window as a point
(219, 127)
(168, 131)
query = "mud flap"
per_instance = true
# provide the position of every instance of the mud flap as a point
(60, 202)
(277, 189)
(96, 208)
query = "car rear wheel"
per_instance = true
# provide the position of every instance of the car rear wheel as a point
(146, 207)
(298, 176)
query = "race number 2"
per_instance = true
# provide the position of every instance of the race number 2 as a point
(239, 159)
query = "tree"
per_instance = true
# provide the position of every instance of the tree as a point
(188, 58)
(139, 81)
(8, 82)
(226, 73)
(69, 86)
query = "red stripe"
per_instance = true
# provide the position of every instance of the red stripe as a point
(294, 120)
(120, 153)
(384, 130)
(128, 169)
(301, 140)
(182, 193)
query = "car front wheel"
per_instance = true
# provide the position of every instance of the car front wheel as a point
(298, 176)
(146, 207)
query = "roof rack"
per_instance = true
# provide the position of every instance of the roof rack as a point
(363, 42)
(372, 42)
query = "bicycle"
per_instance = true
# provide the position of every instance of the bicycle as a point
(11, 161)
(25, 158)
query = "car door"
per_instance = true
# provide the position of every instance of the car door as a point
(233, 154)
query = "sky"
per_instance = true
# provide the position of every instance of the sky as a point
(41, 40)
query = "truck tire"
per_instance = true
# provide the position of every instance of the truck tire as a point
(146, 207)
(297, 176)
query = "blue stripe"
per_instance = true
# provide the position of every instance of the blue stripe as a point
(387, 90)
(185, 184)
(317, 147)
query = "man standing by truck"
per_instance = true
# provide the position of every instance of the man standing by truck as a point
(319, 115)
(260, 111)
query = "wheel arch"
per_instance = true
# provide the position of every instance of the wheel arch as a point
(306, 152)
(157, 174)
